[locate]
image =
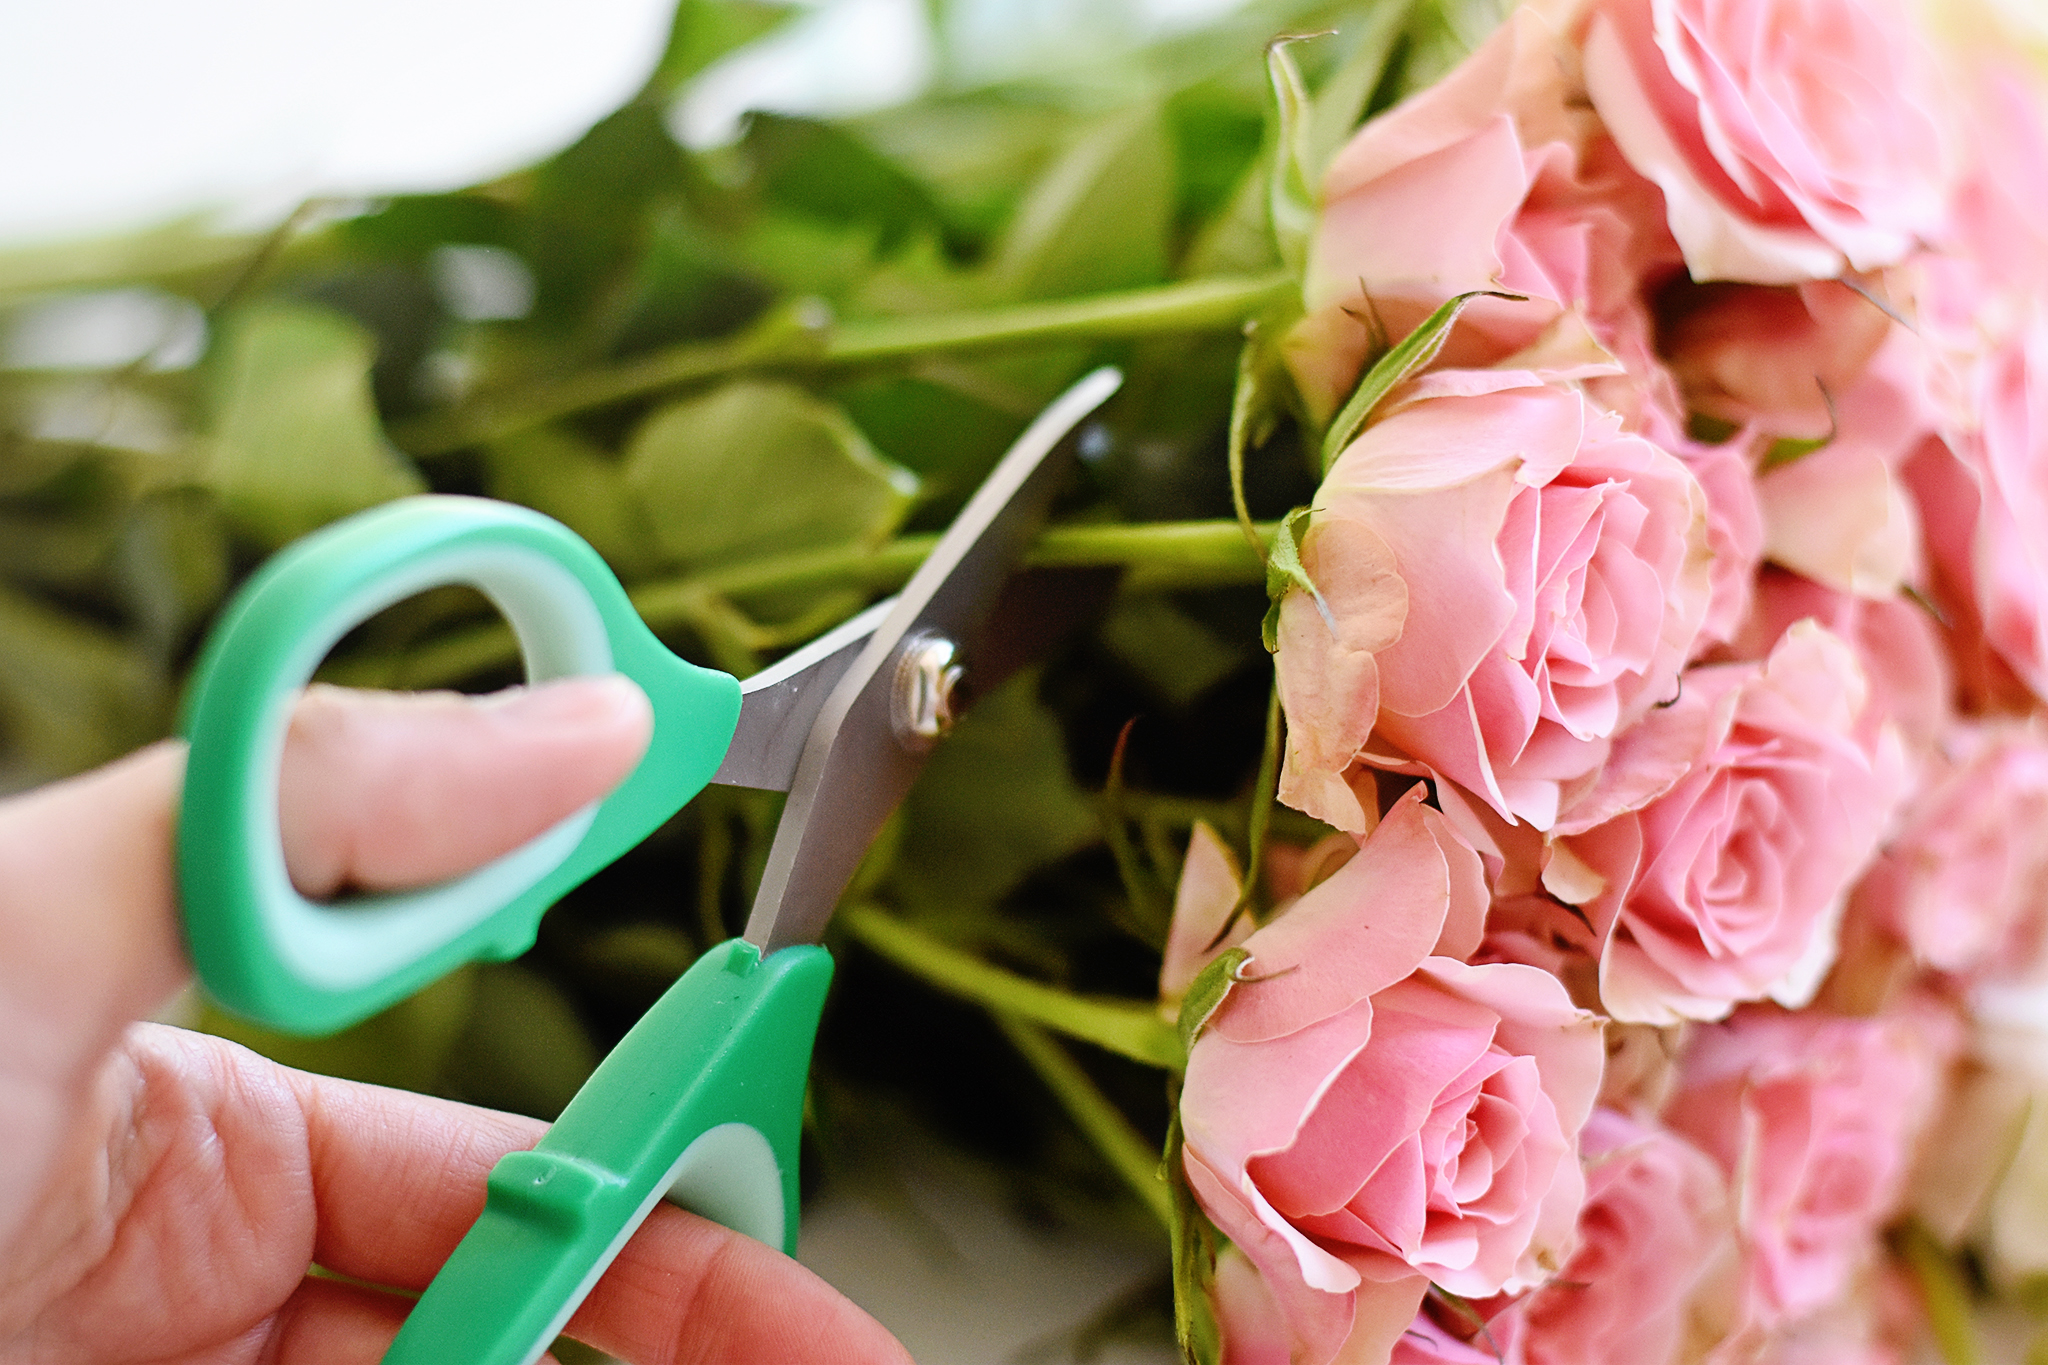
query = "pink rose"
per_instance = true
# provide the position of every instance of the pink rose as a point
(1208, 890)
(1965, 885)
(1726, 832)
(1793, 139)
(1816, 1117)
(1655, 1226)
(1984, 497)
(1365, 1114)
(1655, 1234)
(1429, 1342)
(1512, 579)
(1819, 362)
(1735, 530)
(1775, 359)
(1495, 177)
(1247, 1315)
(2001, 210)
(1897, 643)
(1955, 518)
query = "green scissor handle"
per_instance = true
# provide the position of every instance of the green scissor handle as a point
(266, 951)
(701, 1102)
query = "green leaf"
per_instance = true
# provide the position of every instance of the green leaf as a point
(1218, 135)
(704, 31)
(1206, 994)
(1176, 656)
(1099, 219)
(1126, 1027)
(974, 153)
(690, 284)
(1194, 1259)
(995, 802)
(409, 226)
(1292, 195)
(943, 422)
(579, 485)
(1285, 573)
(295, 441)
(827, 172)
(1413, 351)
(756, 468)
(171, 565)
(1239, 237)
(1708, 429)
(72, 693)
(585, 219)
(1790, 450)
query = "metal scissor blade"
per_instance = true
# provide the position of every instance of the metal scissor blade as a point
(858, 763)
(779, 704)
(1037, 609)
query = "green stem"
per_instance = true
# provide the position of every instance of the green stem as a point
(1191, 306)
(177, 255)
(1945, 1293)
(1264, 791)
(1125, 1027)
(1156, 557)
(1102, 1122)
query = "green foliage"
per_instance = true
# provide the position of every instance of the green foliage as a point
(294, 442)
(1177, 656)
(1206, 993)
(995, 802)
(1193, 1243)
(756, 467)
(1285, 573)
(72, 693)
(756, 378)
(1944, 1291)
(1292, 195)
(1100, 218)
(705, 30)
(578, 484)
(1406, 357)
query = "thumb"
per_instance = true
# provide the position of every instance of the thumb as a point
(381, 790)
(376, 790)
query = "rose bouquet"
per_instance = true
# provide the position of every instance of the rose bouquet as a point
(1667, 633)
(1606, 924)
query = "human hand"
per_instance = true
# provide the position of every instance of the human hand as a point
(163, 1193)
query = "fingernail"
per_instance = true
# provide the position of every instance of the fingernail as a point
(587, 701)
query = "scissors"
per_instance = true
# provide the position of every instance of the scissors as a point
(702, 1101)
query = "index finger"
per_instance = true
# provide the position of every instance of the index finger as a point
(398, 1179)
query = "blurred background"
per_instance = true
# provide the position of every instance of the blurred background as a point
(263, 265)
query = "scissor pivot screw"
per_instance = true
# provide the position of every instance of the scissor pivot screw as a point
(921, 708)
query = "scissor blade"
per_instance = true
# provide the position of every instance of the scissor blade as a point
(855, 768)
(779, 704)
(1037, 610)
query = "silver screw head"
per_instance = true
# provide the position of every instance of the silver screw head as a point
(927, 672)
